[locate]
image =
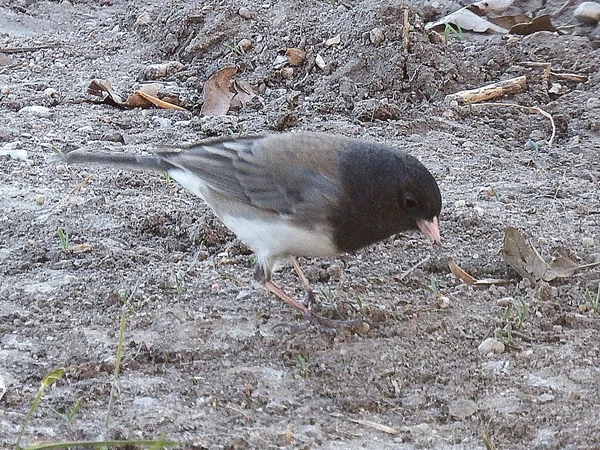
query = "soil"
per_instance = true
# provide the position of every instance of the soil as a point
(209, 359)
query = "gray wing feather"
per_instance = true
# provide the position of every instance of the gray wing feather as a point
(232, 169)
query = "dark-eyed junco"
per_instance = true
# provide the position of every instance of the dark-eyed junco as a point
(300, 194)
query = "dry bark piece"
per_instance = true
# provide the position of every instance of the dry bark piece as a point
(217, 96)
(511, 86)
(295, 56)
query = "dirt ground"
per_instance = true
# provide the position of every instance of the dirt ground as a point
(211, 360)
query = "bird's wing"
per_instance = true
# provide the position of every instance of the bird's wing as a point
(268, 177)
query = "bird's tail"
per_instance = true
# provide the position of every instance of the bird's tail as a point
(112, 159)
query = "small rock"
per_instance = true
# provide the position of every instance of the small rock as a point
(295, 56)
(443, 302)
(242, 295)
(40, 199)
(376, 36)
(557, 328)
(144, 19)
(545, 398)
(491, 345)
(36, 110)
(462, 408)
(51, 93)
(593, 103)
(505, 301)
(588, 12)
(320, 62)
(287, 72)
(162, 122)
(333, 41)
(245, 44)
(588, 242)
(86, 129)
(460, 203)
(245, 13)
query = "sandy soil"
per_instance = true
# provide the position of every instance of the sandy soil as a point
(209, 358)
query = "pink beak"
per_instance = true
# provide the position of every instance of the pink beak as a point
(430, 229)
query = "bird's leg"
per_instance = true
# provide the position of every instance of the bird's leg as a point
(358, 326)
(310, 295)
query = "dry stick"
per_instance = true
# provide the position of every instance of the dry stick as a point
(511, 86)
(533, 109)
(405, 29)
(408, 272)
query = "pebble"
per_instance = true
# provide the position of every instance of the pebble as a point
(588, 12)
(40, 199)
(287, 72)
(245, 44)
(51, 93)
(86, 129)
(162, 122)
(592, 103)
(376, 36)
(242, 295)
(545, 398)
(588, 242)
(460, 203)
(245, 13)
(36, 110)
(443, 302)
(461, 409)
(295, 56)
(144, 19)
(505, 301)
(491, 345)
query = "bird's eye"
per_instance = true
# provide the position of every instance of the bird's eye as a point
(410, 203)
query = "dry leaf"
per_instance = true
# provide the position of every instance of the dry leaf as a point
(103, 88)
(522, 256)
(561, 268)
(243, 94)
(158, 102)
(467, 20)
(460, 273)
(541, 23)
(217, 96)
(525, 259)
(510, 21)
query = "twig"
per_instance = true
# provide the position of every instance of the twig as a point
(532, 109)
(28, 49)
(510, 86)
(409, 271)
(405, 30)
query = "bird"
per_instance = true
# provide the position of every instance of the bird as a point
(298, 194)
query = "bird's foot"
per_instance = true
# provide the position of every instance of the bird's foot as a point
(354, 326)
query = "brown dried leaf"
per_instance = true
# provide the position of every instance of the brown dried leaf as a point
(525, 259)
(217, 96)
(460, 273)
(510, 21)
(522, 256)
(103, 88)
(541, 23)
(561, 268)
(158, 102)
(243, 94)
